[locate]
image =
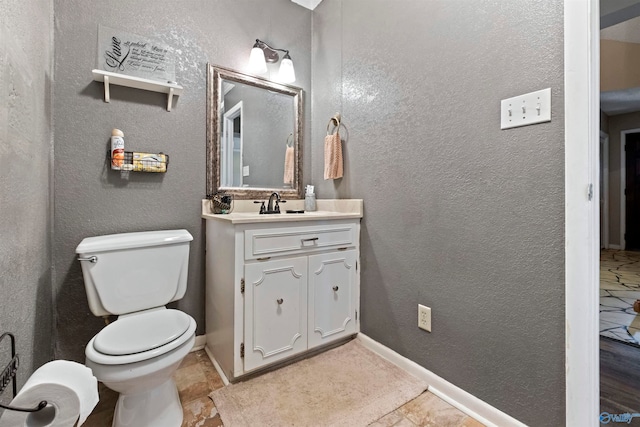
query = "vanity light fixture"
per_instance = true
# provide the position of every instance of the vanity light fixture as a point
(261, 53)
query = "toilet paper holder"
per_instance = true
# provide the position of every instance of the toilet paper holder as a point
(8, 375)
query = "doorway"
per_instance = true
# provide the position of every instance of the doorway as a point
(231, 148)
(619, 280)
(631, 192)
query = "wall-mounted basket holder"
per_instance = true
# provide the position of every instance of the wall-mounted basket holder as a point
(139, 162)
(8, 375)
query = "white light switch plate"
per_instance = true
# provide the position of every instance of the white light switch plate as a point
(527, 109)
(245, 171)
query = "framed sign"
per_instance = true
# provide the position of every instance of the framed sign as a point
(133, 55)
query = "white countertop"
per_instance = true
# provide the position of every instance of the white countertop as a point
(246, 212)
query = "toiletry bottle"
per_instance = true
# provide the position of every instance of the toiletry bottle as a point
(117, 149)
(310, 201)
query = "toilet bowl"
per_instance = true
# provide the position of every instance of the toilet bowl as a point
(134, 275)
(148, 395)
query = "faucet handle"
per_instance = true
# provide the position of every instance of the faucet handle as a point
(262, 208)
(277, 207)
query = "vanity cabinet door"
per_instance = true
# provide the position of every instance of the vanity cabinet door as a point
(275, 311)
(332, 296)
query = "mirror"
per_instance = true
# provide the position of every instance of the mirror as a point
(254, 136)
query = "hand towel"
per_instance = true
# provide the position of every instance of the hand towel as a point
(333, 167)
(288, 165)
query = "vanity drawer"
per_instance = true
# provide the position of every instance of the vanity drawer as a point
(262, 243)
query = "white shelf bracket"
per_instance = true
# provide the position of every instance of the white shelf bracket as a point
(106, 89)
(170, 100)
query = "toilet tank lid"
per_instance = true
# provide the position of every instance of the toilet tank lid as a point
(112, 242)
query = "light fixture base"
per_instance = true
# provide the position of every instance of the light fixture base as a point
(270, 54)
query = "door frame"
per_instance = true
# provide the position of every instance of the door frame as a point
(582, 222)
(228, 142)
(604, 154)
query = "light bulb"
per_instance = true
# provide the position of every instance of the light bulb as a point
(257, 63)
(286, 74)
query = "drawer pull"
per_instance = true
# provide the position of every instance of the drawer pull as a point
(264, 259)
(335, 289)
(312, 239)
(342, 249)
(279, 301)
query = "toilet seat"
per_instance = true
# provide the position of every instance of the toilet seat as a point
(139, 337)
(138, 333)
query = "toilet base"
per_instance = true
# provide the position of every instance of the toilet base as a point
(157, 407)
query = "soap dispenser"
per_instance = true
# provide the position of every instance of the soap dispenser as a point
(310, 199)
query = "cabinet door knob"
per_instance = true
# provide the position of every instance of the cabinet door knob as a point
(335, 289)
(279, 300)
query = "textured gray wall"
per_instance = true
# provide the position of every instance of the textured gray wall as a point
(91, 200)
(459, 215)
(617, 124)
(26, 64)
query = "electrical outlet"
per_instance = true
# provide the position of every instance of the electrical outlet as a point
(424, 317)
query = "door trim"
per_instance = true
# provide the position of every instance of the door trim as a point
(228, 142)
(604, 153)
(582, 223)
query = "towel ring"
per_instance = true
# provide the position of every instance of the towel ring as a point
(334, 120)
(290, 138)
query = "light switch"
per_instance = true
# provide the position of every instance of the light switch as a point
(245, 171)
(527, 109)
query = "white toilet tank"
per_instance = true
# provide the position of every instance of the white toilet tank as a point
(129, 272)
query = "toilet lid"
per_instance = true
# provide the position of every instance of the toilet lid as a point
(141, 332)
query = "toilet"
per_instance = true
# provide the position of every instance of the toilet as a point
(133, 276)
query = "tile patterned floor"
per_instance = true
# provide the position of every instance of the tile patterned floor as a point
(619, 288)
(196, 378)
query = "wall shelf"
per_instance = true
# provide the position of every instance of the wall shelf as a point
(171, 89)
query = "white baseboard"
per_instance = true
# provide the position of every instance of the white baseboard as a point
(614, 246)
(455, 396)
(225, 380)
(201, 340)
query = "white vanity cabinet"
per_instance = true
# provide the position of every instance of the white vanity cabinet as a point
(277, 289)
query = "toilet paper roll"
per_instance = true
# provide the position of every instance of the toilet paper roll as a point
(70, 390)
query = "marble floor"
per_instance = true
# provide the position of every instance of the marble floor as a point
(196, 378)
(619, 288)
